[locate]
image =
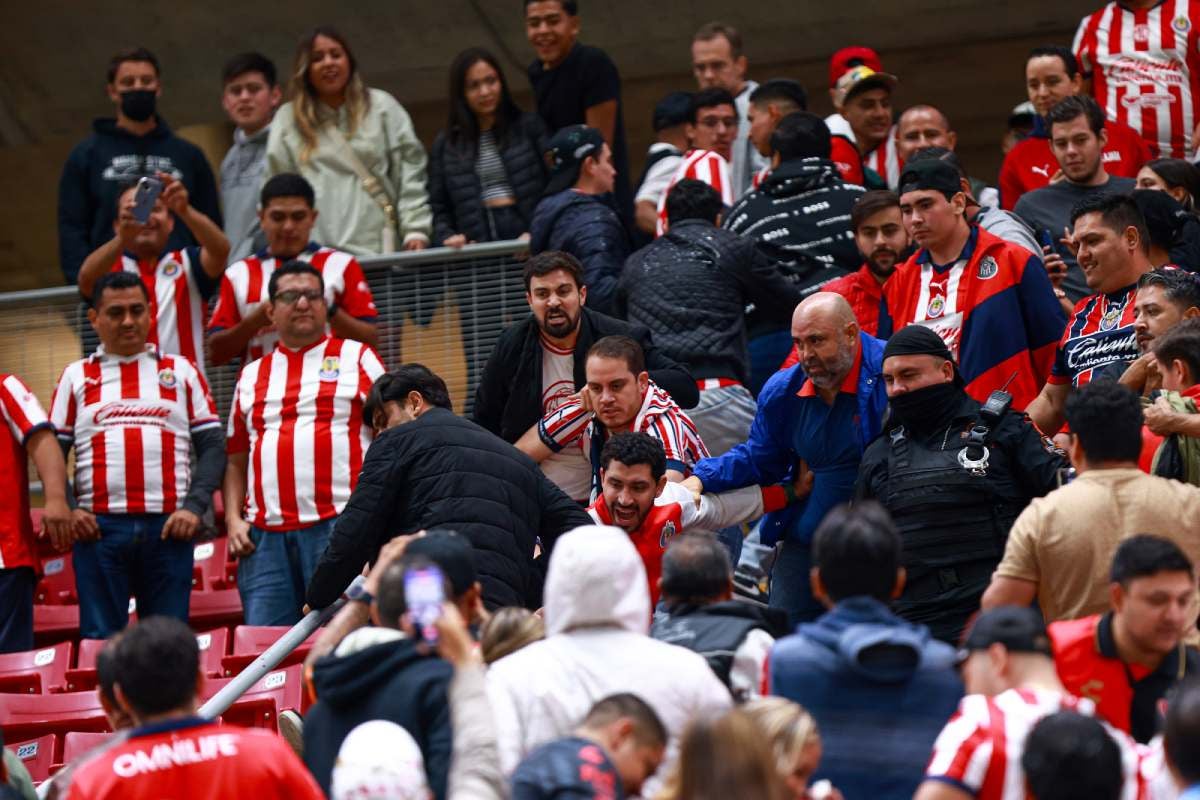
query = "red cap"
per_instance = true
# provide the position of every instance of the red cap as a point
(839, 62)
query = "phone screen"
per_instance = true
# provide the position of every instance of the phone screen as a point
(424, 593)
(144, 198)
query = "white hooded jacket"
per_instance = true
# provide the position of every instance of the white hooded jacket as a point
(597, 617)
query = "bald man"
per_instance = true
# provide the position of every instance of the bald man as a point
(925, 126)
(817, 416)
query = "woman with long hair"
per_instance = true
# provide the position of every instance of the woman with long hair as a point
(795, 743)
(356, 146)
(1174, 176)
(486, 170)
(722, 759)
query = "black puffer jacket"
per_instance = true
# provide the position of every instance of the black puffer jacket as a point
(454, 188)
(800, 217)
(442, 471)
(587, 227)
(508, 400)
(691, 286)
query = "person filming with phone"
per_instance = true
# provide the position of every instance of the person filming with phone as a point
(180, 282)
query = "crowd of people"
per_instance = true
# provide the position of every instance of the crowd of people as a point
(819, 468)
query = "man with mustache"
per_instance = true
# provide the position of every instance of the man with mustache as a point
(1165, 297)
(534, 369)
(882, 239)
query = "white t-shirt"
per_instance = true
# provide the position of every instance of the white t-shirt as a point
(570, 469)
(659, 176)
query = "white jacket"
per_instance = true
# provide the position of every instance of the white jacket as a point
(597, 615)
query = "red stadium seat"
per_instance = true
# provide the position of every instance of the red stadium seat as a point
(88, 650)
(37, 755)
(212, 569)
(77, 743)
(24, 716)
(215, 609)
(55, 623)
(251, 641)
(36, 671)
(213, 646)
(57, 586)
(278, 690)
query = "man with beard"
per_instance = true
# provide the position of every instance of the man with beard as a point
(533, 369)
(816, 417)
(990, 301)
(954, 477)
(881, 238)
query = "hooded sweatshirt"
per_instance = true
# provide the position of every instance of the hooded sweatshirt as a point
(101, 164)
(587, 227)
(868, 676)
(596, 645)
(377, 673)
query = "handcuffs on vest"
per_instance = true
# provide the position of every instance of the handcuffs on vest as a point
(974, 455)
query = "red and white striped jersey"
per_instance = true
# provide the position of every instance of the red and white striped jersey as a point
(179, 293)
(131, 420)
(21, 411)
(298, 414)
(885, 160)
(1145, 70)
(979, 750)
(700, 165)
(244, 288)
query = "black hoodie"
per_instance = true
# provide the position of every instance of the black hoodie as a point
(102, 163)
(389, 681)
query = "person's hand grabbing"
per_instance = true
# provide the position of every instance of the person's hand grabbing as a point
(389, 554)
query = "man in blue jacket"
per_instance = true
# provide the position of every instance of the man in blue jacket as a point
(817, 417)
(860, 670)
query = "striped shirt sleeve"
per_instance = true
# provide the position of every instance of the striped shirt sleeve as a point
(202, 411)
(62, 406)
(21, 409)
(238, 435)
(962, 753)
(564, 425)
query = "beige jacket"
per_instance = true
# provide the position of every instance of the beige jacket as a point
(387, 145)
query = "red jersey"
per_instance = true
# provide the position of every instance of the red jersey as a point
(1031, 163)
(1144, 66)
(194, 759)
(131, 420)
(700, 165)
(864, 292)
(20, 409)
(299, 416)
(244, 288)
(885, 160)
(179, 292)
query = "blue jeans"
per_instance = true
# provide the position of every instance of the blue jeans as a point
(16, 598)
(130, 559)
(767, 353)
(273, 578)
(790, 587)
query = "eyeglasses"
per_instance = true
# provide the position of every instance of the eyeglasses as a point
(292, 296)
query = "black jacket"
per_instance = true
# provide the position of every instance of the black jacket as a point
(587, 227)
(691, 286)
(800, 217)
(454, 188)
(389, 681)
(508, 399)
(442, 471)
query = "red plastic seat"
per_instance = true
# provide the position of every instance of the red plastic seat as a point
(24, 716)
(212, 570)
(213, 645)
(278, 690)
(77, 743)
(57, 586)
(36, 671)
(55, 623)
(251, 641)
(215, 609)
(37, 755)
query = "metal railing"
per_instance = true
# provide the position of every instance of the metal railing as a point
(442, 307)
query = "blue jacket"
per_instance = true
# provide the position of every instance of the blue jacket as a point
(868, 676)
(587, 227)
(784, 432)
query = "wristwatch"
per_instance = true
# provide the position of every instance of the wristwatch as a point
(359, 594)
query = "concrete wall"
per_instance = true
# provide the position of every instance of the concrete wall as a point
(962, 55)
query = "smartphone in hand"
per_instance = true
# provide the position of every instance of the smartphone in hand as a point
(144, 198)
(424, 593)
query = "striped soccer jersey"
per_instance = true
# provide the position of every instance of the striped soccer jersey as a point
(885, 160)
(244, 288)
(131, 420)
(979, 750)
(1144, 66)
(179, 293)
(21, 411)
(700, 165)
(298, 414)
(1099, 339)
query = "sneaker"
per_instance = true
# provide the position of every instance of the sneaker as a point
(291, 728)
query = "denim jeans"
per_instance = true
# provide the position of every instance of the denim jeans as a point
(273, 578)
(790, 587)
(16, 598)
(130, 559)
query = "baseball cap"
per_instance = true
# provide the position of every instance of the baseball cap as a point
(452, 554)
(672, 110)
(1018, 628)
(1022, 114)
(930, 173)
(859, 79)
(847, 58)
(379, 760)
(566, 151)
